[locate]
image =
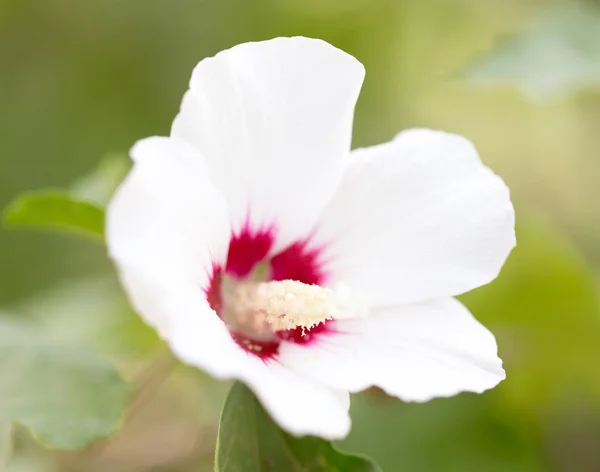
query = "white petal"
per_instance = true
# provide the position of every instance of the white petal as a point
(417, 218)
(413, 352)
(273, 120)
(299, 405)
(166, 227)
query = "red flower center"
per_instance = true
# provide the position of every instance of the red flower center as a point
(249, 248)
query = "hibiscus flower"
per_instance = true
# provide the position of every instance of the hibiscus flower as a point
(262, 248)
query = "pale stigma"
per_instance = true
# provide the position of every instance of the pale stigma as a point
(285, 304)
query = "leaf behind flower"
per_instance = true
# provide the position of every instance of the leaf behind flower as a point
(249, 441)
(58, 210)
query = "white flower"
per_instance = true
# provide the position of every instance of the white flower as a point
(262, 249)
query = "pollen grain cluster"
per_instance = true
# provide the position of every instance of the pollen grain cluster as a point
(285, 304)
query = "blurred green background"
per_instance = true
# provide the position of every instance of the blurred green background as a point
(80, 80)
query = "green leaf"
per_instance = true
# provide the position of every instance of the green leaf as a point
(5, 443)
(65, 393)
(560, 54)
(249, 441)
(58, 210)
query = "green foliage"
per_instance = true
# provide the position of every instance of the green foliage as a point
(5, 443)
(109, 323)
(99, 185)
(26, 463)
(249, 441)
(58, 210)
(460, 434)
(559, 55)
(63, 392)
(544, 310)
